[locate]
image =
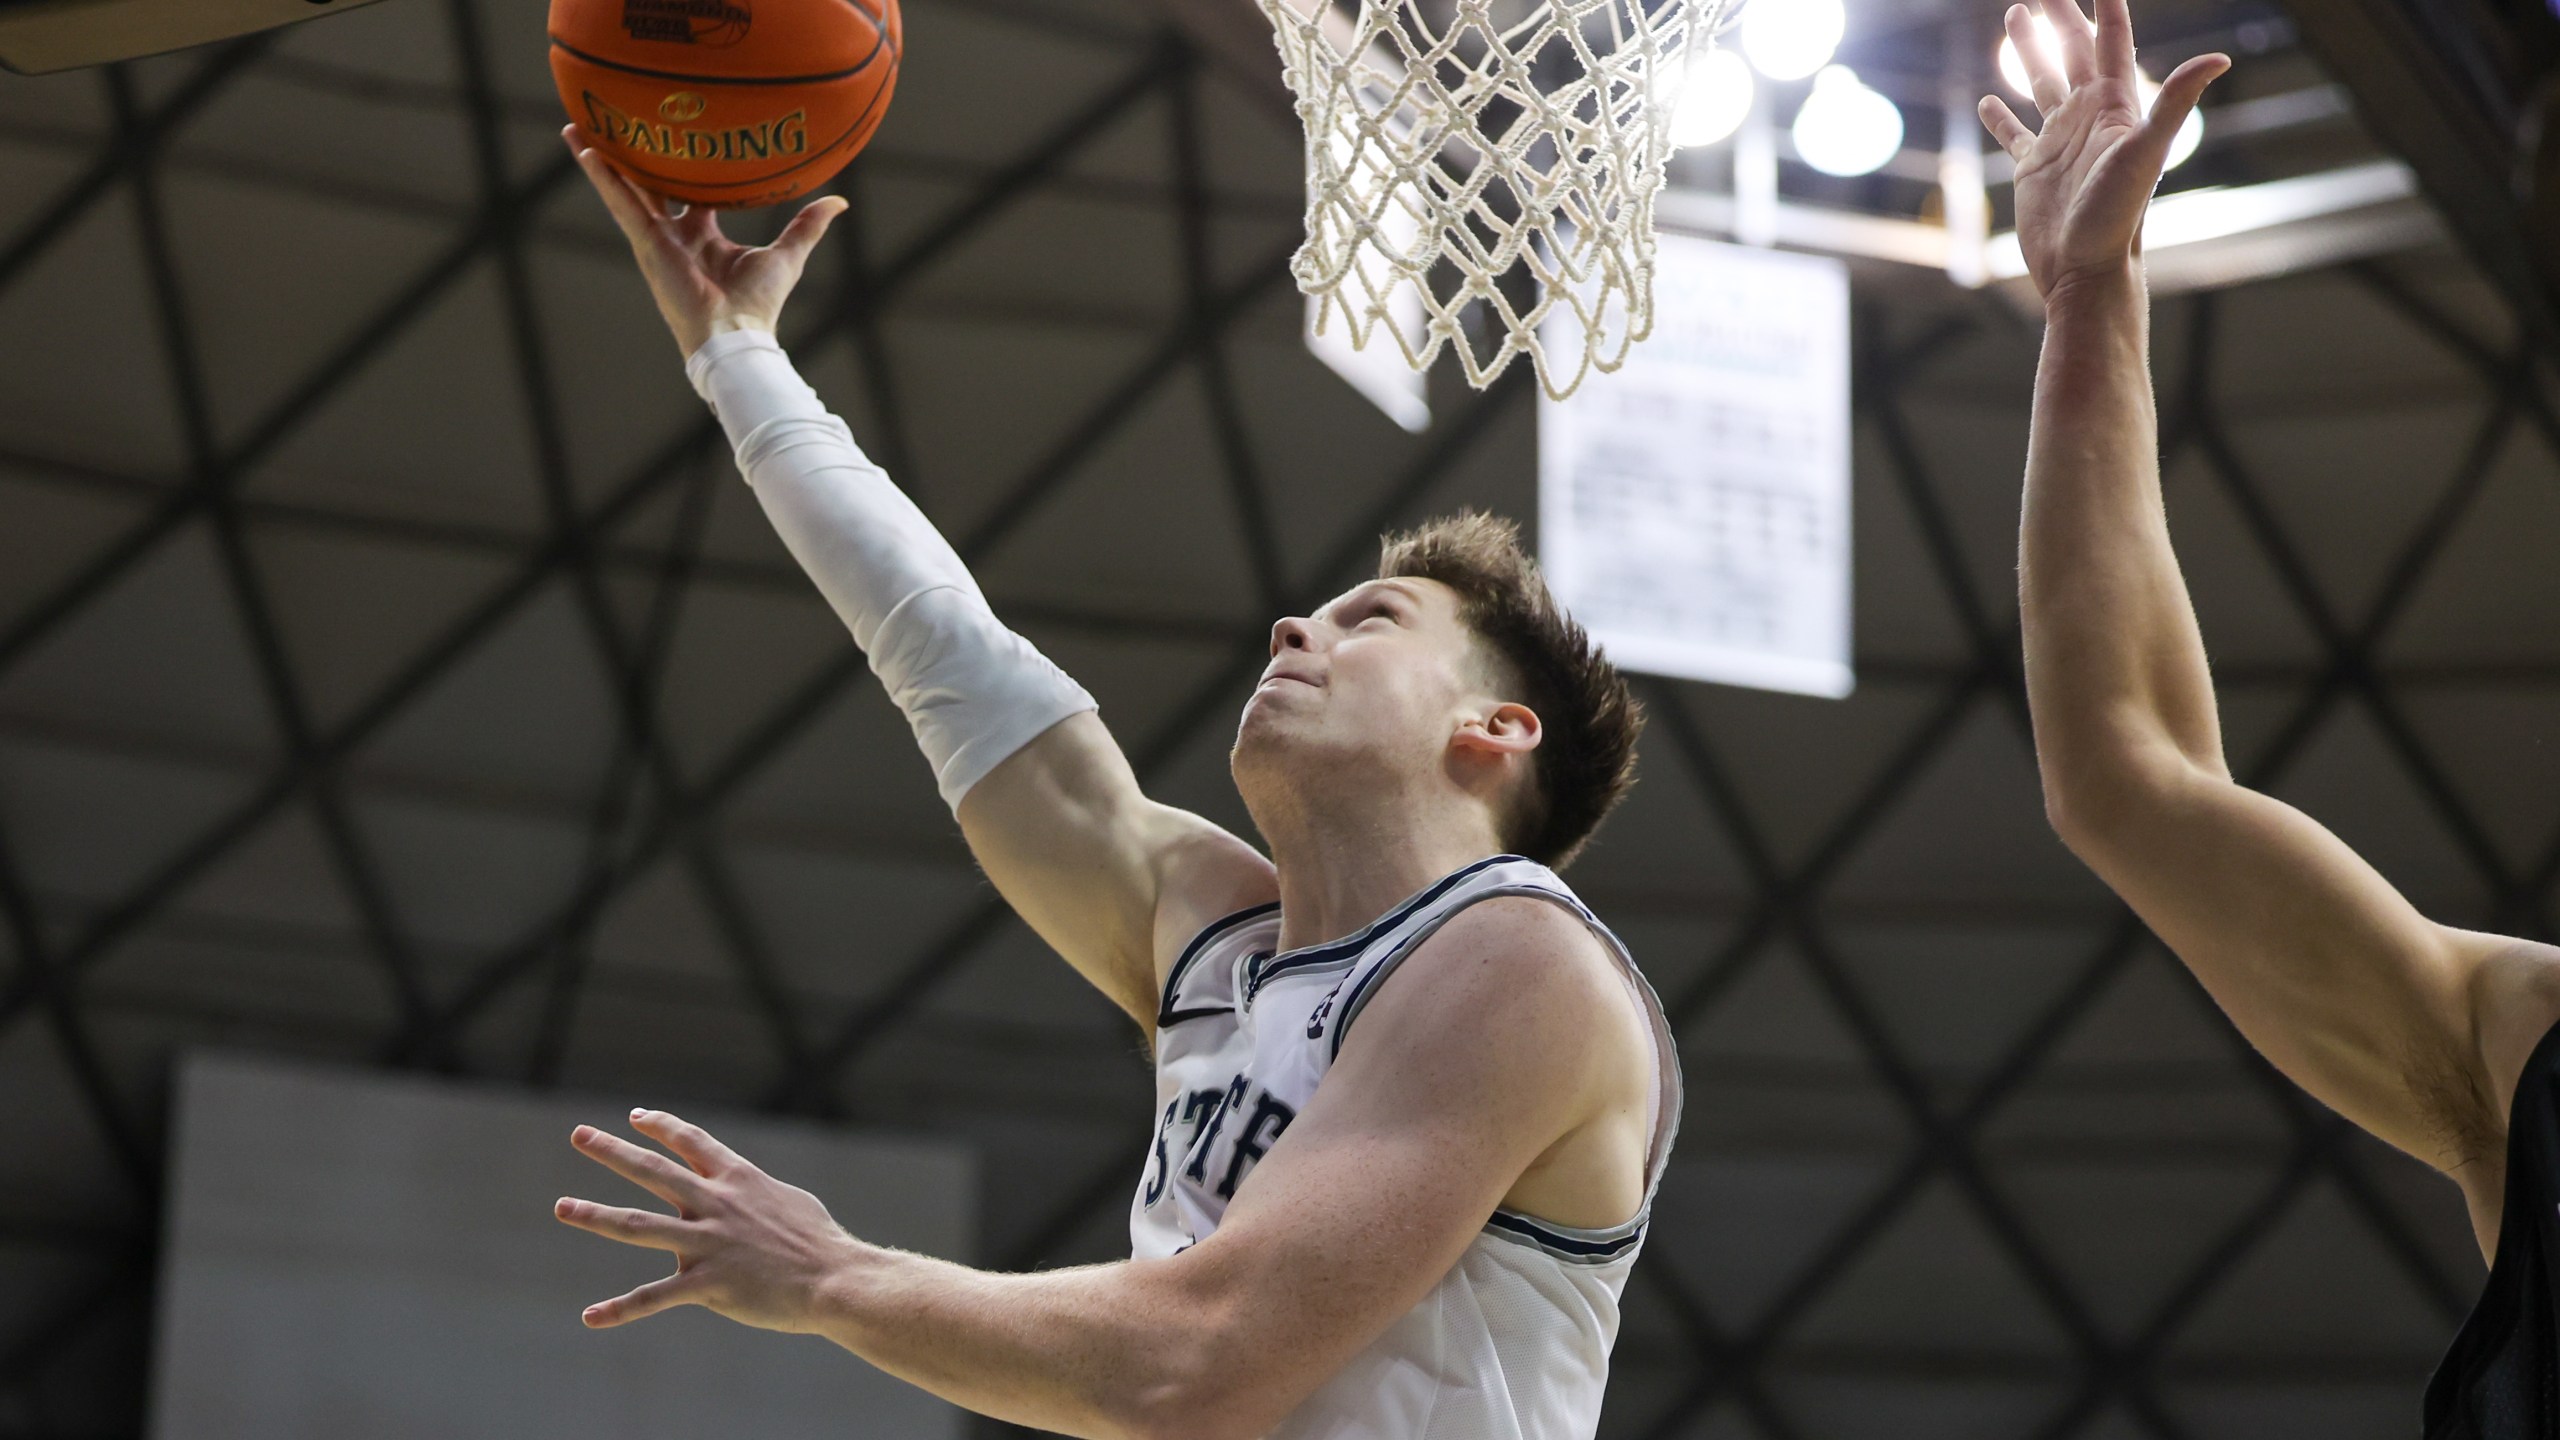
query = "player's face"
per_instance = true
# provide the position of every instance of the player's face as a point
(1377, 680)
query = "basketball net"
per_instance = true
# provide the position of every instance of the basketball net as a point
(1489, 136)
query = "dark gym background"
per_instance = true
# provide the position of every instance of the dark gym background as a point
(392, 670)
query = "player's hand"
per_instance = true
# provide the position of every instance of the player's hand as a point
(746, 1245)
(703, 281)
(2085, 180)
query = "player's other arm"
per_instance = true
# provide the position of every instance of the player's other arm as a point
(1048, 803)
(2410, 1029)
(1476, 1063)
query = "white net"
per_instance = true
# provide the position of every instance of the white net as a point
(1501, 154)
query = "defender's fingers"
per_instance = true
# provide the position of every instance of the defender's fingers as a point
(692, 1144)
(2178, 95)
(613, 1222)
(810, 226)
(2045, 84)
(647, 1169)
(2006, 129)
(640, 1304)
(2010, 133)
(2075, 38)
(2115, 40)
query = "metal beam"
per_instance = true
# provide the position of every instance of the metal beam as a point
(1235, 37)
(2446, 84)
(121, 919)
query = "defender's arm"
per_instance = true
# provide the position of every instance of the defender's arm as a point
(2404, 1026)
(1473, 1063)
(2382, 1014)
(1042, 792)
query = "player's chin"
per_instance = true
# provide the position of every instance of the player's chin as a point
(1268, 720)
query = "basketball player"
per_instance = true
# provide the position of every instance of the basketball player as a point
(2437, 1040)
(1412, 1099)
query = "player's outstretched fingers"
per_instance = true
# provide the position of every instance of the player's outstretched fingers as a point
(2115, 40)
(614, 1222)
(2182, 91)
(692, 1144)
(695, 229)
(810, 226)
(647, 1169)
(630, 208)
(2178, 95)
(2006, 129)
(2075, 37)
(2045, 84)
(640, 1304)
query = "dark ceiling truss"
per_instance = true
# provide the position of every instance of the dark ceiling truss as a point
(2461, 88)
(646, 808)
(641, 752)
(357, 870)
(43, 975)
(541, 565)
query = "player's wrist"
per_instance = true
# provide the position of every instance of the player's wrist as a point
(842, 1285)
(2106, 287)
(694, 331)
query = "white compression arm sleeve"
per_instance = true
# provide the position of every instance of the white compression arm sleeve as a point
(975, 691)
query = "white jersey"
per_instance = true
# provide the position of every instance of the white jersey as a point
(1513, 1343)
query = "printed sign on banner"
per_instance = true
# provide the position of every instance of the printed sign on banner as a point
(1694, 507)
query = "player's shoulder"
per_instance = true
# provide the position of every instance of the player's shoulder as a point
(1525, 946)
(1513, 995)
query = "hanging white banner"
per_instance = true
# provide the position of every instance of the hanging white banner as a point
(1694, 507)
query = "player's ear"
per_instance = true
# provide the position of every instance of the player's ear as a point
(1508, 728)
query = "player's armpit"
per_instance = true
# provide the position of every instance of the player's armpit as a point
(2327, 969)
(1096, 868)
(1472, 1063)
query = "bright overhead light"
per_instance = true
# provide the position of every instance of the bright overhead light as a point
(2183, 144)
(2014, 70)
(1846, 128)
(1790, 39)
(1714, 101)
(2190, 130)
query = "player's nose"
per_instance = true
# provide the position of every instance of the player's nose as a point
(1293, 633)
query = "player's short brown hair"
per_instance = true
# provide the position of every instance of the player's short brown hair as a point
(1586, 756)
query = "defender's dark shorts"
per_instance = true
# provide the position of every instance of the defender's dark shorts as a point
(2501, 1379)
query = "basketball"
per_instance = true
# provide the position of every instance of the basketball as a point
(726, 103)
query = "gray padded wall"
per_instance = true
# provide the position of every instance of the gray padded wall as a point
(367, 1255)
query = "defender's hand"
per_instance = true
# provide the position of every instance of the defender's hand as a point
(2086, 179)
(705, 283)
(746, 1245)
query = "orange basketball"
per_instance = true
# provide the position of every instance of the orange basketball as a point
(727, 103)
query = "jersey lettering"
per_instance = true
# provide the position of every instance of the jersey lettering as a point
(1270, 1115)
(1315, 1022)
(1184, 1110)
(1160, 1171)
(1198, 1169)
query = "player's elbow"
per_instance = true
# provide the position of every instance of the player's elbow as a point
(2099, 802)
(1199, 1416)
(1212, 1380)
(1196, 1405)
(2078, 810)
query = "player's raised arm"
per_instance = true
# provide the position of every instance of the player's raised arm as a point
(1048, 802)
(2413, 1030)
